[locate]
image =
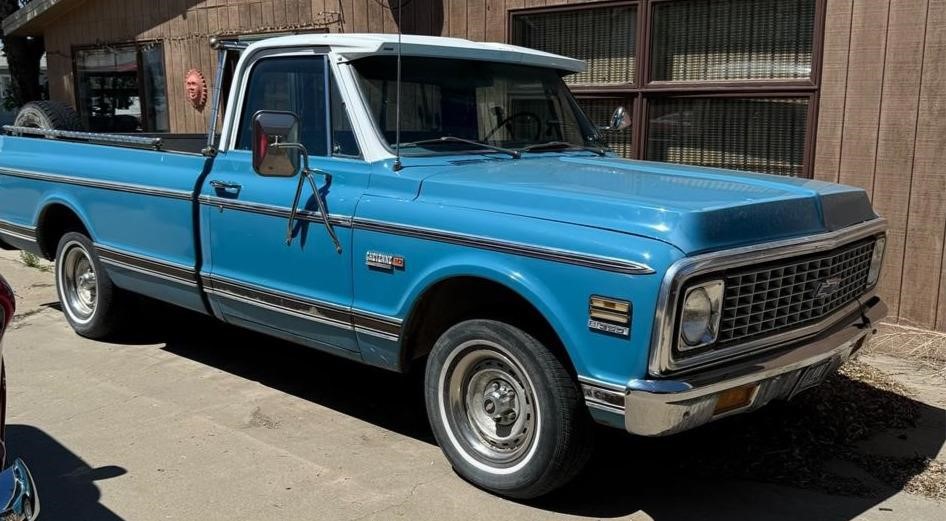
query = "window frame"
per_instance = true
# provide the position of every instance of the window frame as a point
(138, 45)
(322, 60)
(644, 90)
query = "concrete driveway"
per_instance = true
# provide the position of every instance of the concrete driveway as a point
(193, 420)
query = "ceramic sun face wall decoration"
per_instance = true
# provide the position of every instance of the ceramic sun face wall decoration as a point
(196, 88)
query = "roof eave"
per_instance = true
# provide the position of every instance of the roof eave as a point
(33, 18)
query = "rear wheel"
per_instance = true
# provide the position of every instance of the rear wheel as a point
(505, 411)
(89, 299)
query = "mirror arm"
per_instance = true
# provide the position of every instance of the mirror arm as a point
(323, 211)
(294, 211)
(307, 175)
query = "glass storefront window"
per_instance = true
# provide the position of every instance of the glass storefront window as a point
(122, 89)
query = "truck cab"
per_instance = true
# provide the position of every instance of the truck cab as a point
(409, 201)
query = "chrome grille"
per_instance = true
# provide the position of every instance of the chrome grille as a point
(782, 295)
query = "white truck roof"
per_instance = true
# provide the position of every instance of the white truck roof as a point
(353, 46)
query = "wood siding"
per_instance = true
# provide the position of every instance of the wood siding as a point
(882, 126)
(184, 27)
(881, 117)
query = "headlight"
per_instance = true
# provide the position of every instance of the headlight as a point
(876, 261)
(699, 319)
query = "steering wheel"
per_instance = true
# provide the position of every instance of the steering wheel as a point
(518, 115)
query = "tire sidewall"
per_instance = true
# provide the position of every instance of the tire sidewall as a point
(538, 462)
(48, 115)
(30, 117)
(92, 325)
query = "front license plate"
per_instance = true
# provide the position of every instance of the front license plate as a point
(814, 375)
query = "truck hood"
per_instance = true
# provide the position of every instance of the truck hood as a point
(695, 209)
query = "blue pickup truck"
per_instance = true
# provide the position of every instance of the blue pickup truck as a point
(442, 202)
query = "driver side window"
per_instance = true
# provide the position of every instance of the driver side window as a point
(292, 84)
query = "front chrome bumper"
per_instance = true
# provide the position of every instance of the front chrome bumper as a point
(658, 407)
(18, 494)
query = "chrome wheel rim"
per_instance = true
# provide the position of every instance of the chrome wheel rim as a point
(79, 286)
(489, 404)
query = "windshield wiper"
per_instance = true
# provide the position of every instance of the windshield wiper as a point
(551, 145)
(451, 139)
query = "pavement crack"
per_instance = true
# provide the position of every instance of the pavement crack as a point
(20, 318)
(410, 495)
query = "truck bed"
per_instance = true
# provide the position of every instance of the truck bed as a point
(138, 200)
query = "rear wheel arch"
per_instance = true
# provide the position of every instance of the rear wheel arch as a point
(55, 220)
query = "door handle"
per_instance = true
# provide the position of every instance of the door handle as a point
(226, 186)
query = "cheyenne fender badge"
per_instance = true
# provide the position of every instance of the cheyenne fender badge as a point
(384, 261)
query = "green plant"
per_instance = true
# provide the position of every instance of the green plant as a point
(32, 261)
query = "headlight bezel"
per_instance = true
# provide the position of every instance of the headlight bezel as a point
(714, 290)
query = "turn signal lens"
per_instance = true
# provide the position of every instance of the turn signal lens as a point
(876, 261)
(732, 399)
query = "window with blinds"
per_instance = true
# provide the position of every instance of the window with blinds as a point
(757, 134)
(604, 37)
(713, 40)
(721, 83)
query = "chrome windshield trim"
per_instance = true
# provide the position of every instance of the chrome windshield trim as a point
(104, 185)
(661, 358)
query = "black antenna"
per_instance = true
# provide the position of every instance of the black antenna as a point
(397, 102)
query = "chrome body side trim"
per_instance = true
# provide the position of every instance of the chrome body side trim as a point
(17, 231)
(473, 241)
(658, 407)
(661, 359)
(514, 248)
(272, 210)
(148, 272)
(277, 301)
(104, 185)
(318, 311)
(148, 265)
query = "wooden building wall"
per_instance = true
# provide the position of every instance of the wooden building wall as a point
(185, 25)
(881, 125)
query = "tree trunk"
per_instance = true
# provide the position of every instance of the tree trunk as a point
(23, 57)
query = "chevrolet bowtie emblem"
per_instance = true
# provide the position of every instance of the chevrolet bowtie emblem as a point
(827, 287)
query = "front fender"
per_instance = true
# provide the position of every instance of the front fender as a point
(559, 291)
(488, 267)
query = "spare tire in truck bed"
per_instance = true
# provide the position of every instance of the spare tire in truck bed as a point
(48, 115)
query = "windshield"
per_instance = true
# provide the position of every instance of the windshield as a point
(505, 105)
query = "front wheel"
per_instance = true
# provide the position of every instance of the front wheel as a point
(505, 411)
(91, 302)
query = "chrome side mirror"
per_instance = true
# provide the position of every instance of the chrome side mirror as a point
(272, 132)
(620, 120)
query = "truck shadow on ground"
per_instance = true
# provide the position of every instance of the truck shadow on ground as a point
(833, 453)
(66, 483)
